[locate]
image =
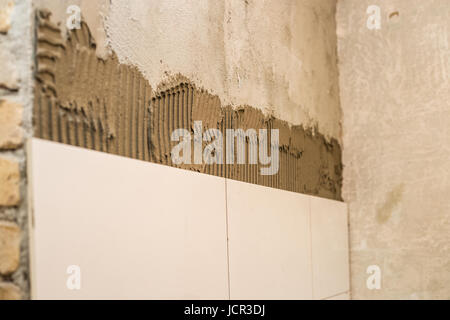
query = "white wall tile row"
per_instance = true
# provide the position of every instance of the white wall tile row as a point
(329, 233)
(269, 243)
(285, 245)
(139, 230)
(128, 225)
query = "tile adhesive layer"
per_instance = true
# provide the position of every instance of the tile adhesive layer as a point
(103, 105)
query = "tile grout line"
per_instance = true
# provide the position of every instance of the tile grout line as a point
(335, 295)
(227, 233)
(347, 211)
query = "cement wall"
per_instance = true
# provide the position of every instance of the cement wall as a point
(277, 56)
(272, 59)
(396, 132)
(162, 65)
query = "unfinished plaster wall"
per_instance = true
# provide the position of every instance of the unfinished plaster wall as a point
(278, 56)
(126, 95)
(396, 134)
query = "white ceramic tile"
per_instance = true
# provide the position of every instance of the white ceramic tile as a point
(269, 243)
(137, 230)
(329, 247)
(342, 296)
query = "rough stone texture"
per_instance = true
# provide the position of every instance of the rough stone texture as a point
(16, 58)
(8, 75)
(6, 8)
(247, 52)
(11, 132)
(9, 291)
(9, 183)
(9, 247)
(396, 122)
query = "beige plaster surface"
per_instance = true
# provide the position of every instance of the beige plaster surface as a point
(278, 56)
(395, 95)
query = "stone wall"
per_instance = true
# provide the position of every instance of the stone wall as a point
(395, 98)
(15, 126)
